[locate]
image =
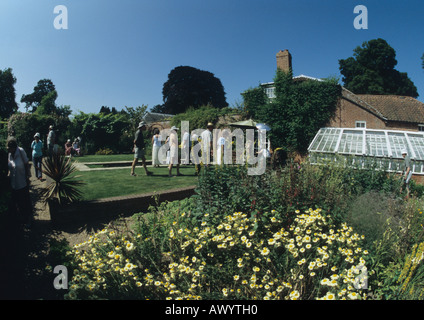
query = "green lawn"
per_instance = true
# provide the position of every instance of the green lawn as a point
(118, 182)
(106, 158)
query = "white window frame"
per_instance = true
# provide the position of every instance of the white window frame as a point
(361, 124)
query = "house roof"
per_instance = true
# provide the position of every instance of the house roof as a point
(396, 108)
(155, 117)
(386, 107)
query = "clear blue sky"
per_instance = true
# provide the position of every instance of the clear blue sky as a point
(119, 53)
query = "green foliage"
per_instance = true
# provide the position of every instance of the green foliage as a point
(99, 131)
(23, 126)
(64, 187)
(190, 87)
(371, 71)
(199, 117)
(104, 151)
(422, 58)
(228, 241)
(5, 190)
(253, 98)
(8, 105)
(43, 88)
(298, 111)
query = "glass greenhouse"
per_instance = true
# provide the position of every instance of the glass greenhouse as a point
(364, 148)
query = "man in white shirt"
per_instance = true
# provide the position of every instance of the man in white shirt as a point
(51, 140)
(207, 142)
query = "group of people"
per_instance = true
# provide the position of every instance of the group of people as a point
(19, 172)
(72, 148)
(172, 157)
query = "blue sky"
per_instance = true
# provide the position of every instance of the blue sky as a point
(119, 53)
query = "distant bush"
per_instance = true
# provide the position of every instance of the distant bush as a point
(104, 151)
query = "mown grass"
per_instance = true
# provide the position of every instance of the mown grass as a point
(101, 184)
(106, 158)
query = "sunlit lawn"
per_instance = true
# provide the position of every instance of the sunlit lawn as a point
(106, 158)
(118, 182)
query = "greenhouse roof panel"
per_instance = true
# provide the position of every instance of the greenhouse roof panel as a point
(369, 142)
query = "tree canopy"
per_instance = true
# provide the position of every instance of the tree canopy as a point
(34, 99)
(190, 87)
(8, 105)
(371, 70)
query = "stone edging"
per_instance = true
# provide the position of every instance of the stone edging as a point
(110, 208)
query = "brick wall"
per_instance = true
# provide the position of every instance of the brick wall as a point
(348, 112)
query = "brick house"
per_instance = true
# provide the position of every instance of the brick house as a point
(388, 112)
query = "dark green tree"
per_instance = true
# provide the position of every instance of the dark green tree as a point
(47, 104)
(371, 70)
(8, 105)
(33, 100)
(159, 108)
(422, 58)
(190, 87)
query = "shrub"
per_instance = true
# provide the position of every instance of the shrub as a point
(235, 258)
(64, 186)
(104, 151)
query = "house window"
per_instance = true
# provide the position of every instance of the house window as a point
(270, 92)
(360, 124)
(421, 127)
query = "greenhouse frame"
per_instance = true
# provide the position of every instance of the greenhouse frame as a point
(363, 148)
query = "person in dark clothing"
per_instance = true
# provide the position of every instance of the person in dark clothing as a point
(139, 149)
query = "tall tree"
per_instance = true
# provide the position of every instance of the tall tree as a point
(422, 58)
(371, 70)
(190, 87)
(33, 100)
(136, 115)
(8, 105)
(48, 104)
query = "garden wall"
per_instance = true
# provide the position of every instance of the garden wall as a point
(112, 208)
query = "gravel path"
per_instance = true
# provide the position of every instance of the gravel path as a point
(25, 253)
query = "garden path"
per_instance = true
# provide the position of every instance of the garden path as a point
(27, 252)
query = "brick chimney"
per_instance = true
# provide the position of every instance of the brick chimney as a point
(284, 60)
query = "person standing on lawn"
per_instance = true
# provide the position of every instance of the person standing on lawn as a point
(139, 149)
(173, 143)
(156, 144)
(51, 140)
(37, 155)
(207, 142)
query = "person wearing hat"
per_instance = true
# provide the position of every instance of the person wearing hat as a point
(139, 152)
(406, 171)
(69, 150)
(173, 151)
(207, 142)
(51, 140)
(37, 155)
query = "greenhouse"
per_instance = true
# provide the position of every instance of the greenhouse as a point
(364, 148)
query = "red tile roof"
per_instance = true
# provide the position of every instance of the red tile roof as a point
(389, 107)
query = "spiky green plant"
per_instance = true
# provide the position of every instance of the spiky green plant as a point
(64, 185)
